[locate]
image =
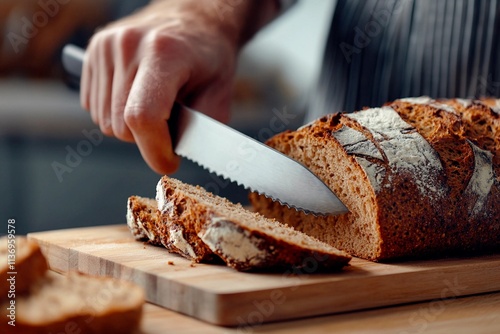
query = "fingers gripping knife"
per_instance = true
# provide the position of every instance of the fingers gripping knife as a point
(237, 157)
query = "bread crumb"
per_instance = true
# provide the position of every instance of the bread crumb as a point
(192, 265)
(170, 263)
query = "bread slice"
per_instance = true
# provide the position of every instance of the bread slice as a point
(415, 180)
(40, 301)
(145, 223)
(242, 239)
(21, 259)
(78, 304)
(143, 219)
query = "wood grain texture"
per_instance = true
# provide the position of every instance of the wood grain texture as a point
(222, 296)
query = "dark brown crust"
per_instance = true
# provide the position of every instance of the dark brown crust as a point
(29, 269)
(409, 225)
(280, 254)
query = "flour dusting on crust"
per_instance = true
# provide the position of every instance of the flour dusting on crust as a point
(374, 172)
(355, 143)
(178, 240)
(466, 103)
(417, 100)
(164, 205)
(405, 150)
(236, 244)
(496, 108)
(430, 102)
(483, 177)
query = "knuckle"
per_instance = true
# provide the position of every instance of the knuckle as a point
(100, 38)
(121, 41)
(136, 116)
(161, 42)
(120, 128)
(100, 48)
(127, 41)
(128, 37)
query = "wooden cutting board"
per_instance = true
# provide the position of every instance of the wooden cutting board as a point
(223, 296)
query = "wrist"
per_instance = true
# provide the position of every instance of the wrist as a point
(238, 20)
(250, 16)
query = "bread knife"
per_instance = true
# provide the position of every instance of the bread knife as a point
(237, 157)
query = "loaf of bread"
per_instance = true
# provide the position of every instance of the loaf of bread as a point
(193, 222)
(41, 301)
(420, 178)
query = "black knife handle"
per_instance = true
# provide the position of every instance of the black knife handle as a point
(72, 60)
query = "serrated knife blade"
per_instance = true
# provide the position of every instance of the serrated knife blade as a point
(238, 157)
(248, 162)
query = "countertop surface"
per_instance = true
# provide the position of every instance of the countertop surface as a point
(473, 314)
(41, 108)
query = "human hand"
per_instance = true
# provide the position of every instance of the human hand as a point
(171, 50)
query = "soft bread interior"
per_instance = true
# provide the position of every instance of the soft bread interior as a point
(57, 297)
(355, 230)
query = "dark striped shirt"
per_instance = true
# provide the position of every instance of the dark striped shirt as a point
(380, 50)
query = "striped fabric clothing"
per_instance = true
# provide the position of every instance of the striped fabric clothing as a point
(380, 50)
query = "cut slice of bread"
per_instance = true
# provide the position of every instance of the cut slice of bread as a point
(36, 300)
(78, 304)
(242, 239)
(22, 259)
(145, 223)
(143, 220)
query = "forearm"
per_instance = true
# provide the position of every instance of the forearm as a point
(239, 20)
(254, 14)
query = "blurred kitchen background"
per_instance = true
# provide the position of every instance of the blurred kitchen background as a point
(55, 172)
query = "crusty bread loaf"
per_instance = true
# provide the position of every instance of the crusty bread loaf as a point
(78, 304)
(40, 301)
(22, 257)
(420, 178)
(197, 219)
